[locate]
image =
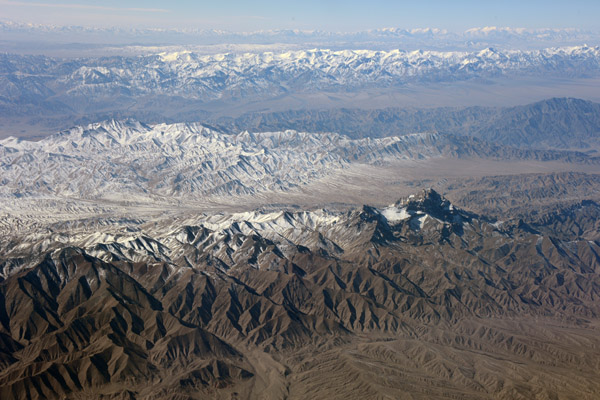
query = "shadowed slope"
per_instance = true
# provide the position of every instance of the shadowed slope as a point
(419, 299)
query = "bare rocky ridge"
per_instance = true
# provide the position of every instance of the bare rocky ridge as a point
(559, 123)
(557, 203)
(419, 299)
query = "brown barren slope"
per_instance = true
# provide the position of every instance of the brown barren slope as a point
(436, 304)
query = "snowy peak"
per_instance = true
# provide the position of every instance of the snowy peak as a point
(431, 202)
(427, 202)
(428, 216)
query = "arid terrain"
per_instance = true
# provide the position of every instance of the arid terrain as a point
(301, 224)
(419, 299)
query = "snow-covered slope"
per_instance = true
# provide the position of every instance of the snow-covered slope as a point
(177, 240)
(129, 161)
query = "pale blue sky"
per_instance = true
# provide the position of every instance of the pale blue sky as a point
(333, 15)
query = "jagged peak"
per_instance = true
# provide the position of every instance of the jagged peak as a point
(427, 197)
(427, 202)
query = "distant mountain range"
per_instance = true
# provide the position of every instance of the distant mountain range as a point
(432, 37)
(80, 84)
(54, 93)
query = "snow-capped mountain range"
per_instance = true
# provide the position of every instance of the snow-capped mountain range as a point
(132, 161)
(224, 235)
(79, 82)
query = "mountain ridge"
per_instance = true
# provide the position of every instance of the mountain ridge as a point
(118, 161)
(39, 87)
(294, 290)
(559, 123)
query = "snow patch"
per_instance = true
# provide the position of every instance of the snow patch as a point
(395, 214)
